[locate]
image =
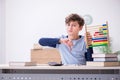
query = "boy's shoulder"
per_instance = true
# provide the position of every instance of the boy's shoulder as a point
(66, 36)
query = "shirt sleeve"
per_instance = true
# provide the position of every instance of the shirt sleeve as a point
(51, 42)
(88, 54)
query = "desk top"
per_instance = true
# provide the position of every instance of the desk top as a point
(66, 67)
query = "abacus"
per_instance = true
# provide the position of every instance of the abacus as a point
(100, 35)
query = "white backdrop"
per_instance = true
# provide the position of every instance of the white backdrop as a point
(28, 20)
(2, 31)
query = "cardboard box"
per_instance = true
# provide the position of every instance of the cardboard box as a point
(43, 56)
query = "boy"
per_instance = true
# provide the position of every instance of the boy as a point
(72, 47)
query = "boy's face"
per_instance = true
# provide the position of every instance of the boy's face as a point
(73, 28)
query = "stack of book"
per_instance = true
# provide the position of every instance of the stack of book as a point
(103, 60)
(105, 57)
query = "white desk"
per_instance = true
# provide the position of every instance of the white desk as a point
(71, 72)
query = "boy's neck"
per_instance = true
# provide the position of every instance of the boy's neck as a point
(71, 37)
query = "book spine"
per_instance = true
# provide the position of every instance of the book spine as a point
(105, 59)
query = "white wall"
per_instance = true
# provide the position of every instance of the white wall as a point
(29, 20)
(2, 31)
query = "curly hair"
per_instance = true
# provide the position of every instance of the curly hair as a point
(74, 17)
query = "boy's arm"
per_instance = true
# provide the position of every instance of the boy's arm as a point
(88, 54)
(49, 42)
(88, 40)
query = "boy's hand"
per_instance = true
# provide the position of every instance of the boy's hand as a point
(67, 42)
(88, 38)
